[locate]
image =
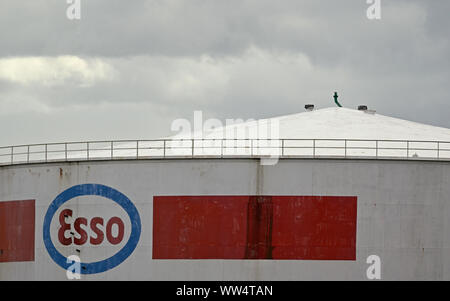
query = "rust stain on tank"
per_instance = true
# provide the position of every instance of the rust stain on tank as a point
(64, 178)
(259, 228)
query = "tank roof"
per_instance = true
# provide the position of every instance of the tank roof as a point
(343, 123)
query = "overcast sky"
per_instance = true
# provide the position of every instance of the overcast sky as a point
(126, 69)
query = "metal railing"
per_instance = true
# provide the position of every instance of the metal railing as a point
(224, 148)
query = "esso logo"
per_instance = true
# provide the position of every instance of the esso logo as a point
(94, 226)
(81, 225)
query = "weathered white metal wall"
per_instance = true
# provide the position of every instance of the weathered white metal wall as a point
(403, 214)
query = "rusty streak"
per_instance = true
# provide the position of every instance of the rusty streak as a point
(259, 228)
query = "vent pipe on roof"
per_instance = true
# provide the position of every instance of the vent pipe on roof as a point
(336, 100)
(365, 109)
(309, 107)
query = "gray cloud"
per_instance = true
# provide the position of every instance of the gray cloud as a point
(246, 59)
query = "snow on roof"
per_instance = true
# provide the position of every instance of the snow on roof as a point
(340, 123)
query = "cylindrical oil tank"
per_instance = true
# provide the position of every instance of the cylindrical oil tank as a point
(225, 219)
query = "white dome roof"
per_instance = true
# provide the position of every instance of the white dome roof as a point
(340, 123)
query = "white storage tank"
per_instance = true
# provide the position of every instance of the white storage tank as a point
(345, 185)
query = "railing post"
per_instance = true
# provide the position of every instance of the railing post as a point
(376, 149)
(46, 153)
(282, 147)
(164, 148)
(438, 150)
(314, 148)
(345, 148)
(137, 149)
(12, 154)
(192, 148)
(65, 151)
(28, 154)
(87, 150)
(112, 149)
(407, 149)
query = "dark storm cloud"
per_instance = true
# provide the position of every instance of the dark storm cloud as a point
(412, 35)
(118, 28)
(235, 58)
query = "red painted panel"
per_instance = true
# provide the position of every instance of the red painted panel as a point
(17, 231)
(254, 227)
(314, 227)
(199, 227)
